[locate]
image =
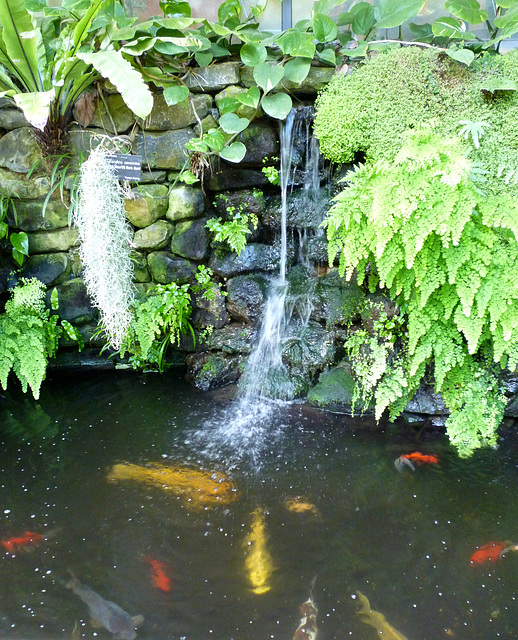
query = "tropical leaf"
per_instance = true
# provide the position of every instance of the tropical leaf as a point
(467, 10)
(82, 27)
(110, 64)
(508, 22)
(393, 13)
(324, 28)
(250, 98)
(451, 28)
(234, 152)
(325, 6)
(499, 84)
(296, 70)
(232, 123)
(277, 105)
(297, 43)
(268, 76)
(175, 94)
(466, 56)
(363, 20)
(19, 43)
(35, 106)
(253, 54)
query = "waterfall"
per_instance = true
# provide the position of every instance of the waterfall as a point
(253, 421)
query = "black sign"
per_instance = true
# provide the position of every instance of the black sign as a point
(125, 166)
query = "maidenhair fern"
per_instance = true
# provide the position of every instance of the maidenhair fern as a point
(28, 336)
(424, 228)
(105, 249)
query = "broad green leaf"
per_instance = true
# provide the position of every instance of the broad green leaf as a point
(297, 43)
(204, 58)
(169, 23)
(176, 9)
(296, 70)
(19, 43)
(227, 105)
(219, 51)
(250, 98)
(215, 140)
(188, 177)
(324, 28)
(139, 46)
(466, 56)
(231, 123)
(268, 76)
(234, 152)
(451, 28)
(499, 84)
(219, 29)
(18, 256)
(135, 93)
(327, 55)
(175, 94)
(363, 20)
(82, 27)
(393, 13)
(198, 145)
(253, 54)
(508, 22)
(422, 32)
(20, 242)
(229, 9)
(358, 52)
(277, 105)
(344, 18)
(303, 25)
(4, 229)
(35, 106)
(467, 10)
(506, 4)
(325, 6)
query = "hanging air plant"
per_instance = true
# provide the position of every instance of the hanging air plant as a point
(106, 239)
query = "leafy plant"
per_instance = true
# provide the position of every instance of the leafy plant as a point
(234, 231)
(422, 224)
(19, 241)
(49, 56)
(158, 321)
(29, 335)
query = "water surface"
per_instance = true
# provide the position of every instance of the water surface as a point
(402, 539)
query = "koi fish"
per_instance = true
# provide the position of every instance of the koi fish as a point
(307, 629)
(491, 552)
(300, 505)
(159, 574)
(199, 488)
(17, 543)
(377, 620)
(258, 561)
(408, 459)
(105, 613)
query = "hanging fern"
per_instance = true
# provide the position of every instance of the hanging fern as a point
(423, 225)
(105, 249)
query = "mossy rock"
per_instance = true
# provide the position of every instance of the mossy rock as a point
(334, 392)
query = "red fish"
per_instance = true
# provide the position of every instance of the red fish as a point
(489, 552)
(159, 571)
(17, 543)
(408, 459)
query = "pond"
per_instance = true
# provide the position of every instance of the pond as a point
(302, 504)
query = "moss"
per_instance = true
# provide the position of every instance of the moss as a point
(368, 111)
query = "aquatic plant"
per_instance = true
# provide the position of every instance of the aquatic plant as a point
(29, 335)
(418, 226)
(106, 239)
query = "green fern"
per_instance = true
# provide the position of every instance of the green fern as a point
(422, 225)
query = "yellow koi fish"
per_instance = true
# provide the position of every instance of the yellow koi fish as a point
(199, 488)
(258, 560)
(298, 504)
(377, 620)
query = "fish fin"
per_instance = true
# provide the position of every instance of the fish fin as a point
(403, 462)
(137, 620)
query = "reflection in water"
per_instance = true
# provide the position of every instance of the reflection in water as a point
(258, 561)
(326, 501)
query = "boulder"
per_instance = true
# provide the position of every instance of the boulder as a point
(246, 296)
(154, 237)
(163, 150)
(19, 186)
(254, 257)
(231, 177)
(212, 369)
(74, 302)
(166, 268)
(336, 301)
(334, 392)
(117, 119)
(51, 268)
(210, 313)
(140, 271)
(185, 203)
(213, 78)
(232, 338)
(30, 215)
(261, 141)
(12, 119)
(191, 239)
(54, 240)
(189, 112)
(19, 150)
(147, 205)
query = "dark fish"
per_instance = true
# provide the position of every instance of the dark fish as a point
(107, 614)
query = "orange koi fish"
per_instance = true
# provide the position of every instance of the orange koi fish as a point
(17, 543)
(159, 574)
(491, 552)
(408, 459)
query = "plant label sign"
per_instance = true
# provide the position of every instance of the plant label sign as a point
(125, 166)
